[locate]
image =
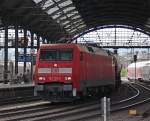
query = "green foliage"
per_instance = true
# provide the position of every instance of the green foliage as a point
(124, 72)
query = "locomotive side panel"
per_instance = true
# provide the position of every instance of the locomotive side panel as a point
(99, 71)
(96, 71)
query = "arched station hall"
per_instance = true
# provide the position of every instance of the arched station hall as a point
(24, 25)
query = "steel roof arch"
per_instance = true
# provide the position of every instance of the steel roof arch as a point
(111, 26)
(92, 13)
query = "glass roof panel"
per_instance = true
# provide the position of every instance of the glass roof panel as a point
(37, 1)
(55, 16)
(66, 3)
(63, 17)
(69, 9)
(57, 0)
(76, 17)
(82, 26)
(79, 20)
(65, 22)
(69, 15)
(73, 30)
(67, 26)
(47, 4)
(50, 11)
(62, 11)
(79, 25)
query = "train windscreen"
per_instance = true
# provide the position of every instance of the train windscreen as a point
(56, 54)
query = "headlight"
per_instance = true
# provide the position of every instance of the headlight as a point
(41, 78)
(68, 78)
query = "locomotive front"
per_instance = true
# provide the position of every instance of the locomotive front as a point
(54, 73)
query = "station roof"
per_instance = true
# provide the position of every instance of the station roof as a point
(60, 19)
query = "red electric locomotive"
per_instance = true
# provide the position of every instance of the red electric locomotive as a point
(67, 71)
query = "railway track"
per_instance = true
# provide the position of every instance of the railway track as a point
(40, 110)
(18, 100)
(73, 112)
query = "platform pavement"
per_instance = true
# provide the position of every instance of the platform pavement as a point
(15, 85)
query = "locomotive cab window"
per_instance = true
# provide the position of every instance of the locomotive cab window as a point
(47, 54)
(56, 54)
(66, 54)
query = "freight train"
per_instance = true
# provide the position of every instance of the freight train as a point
(65, 72)
(139, 71)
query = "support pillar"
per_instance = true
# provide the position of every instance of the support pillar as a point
(31, 52)
(16, 49)
(6, 55)
(25, 49)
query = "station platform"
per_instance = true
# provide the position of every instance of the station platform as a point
(16, 90)
(2, 86)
